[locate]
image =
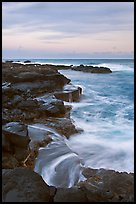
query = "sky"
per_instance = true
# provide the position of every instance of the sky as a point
(67, 30)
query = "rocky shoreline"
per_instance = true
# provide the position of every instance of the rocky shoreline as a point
(35, 94)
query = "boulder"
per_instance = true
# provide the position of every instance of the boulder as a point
(73, 194)
(64, 126)
(108, 186)
(92, 69)
(24, 185)
(9, 61)
(70, 93)
(16, 133)
(27, 61)
(51, 106)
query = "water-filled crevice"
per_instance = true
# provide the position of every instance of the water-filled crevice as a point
(58, 165)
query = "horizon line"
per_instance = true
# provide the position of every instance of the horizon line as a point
(65, 58)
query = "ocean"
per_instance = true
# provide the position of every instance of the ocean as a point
(105, 114)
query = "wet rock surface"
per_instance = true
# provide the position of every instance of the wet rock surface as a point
(92, 69)
(30, 123)
(69, 93)
(24, 185)
(73, 194)
(16, 133)
(28, 97)
(100, 186)
(83, 68)
(108, 186)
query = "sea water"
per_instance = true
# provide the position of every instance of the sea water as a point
(105, 114)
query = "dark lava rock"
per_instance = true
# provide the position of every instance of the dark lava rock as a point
(70, 93)
(27, 61)
(28, 104)
(15, 141)
(52, 106)
(64, 126)
(108, 186)
(92, 69)
(9, 161)
(9, 61)
(16, 133)
(73, 194)
(24, 185)
(81, 65)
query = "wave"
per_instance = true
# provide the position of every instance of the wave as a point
(116, 67)
(100, 153)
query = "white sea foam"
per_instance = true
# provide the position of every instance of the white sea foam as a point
(107, 140)
(116, 67)
(58, 165)
(105, 114)
(100, 152)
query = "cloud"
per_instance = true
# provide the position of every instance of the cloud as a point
(69, 17)
(75, 25)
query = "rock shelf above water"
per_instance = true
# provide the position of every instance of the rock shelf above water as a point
(23, 113)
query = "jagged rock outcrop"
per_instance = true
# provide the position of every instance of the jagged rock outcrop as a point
(101, 185)
(16, 134)
(92, 69)
(69, 93)
(24, 185)
(15, 144)
(27, 61)
(73, 194)
(22, 84)
(83, 68)
(36, 97)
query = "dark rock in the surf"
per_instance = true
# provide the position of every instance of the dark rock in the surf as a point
(73, 194)
(24, 185)
(92, 69)
(16, 133)
(101, 186)
(15, 141)
(64, 126)
(39, 83)
(108, 186)
(81, 65)
(52, 106)
(9, 61)
(70, 93)
(31, 73)
(27, 61)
